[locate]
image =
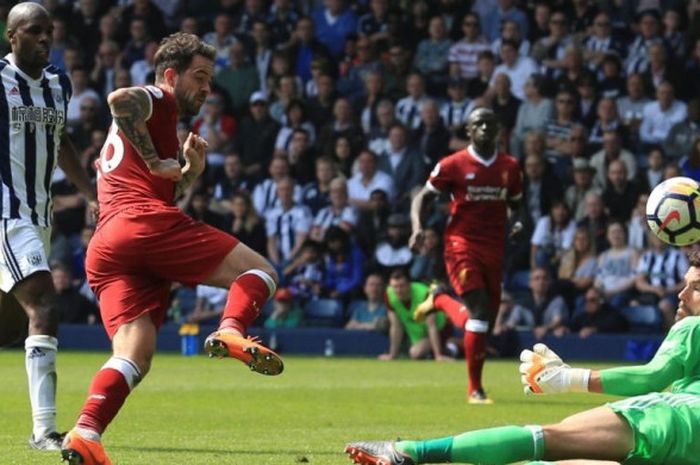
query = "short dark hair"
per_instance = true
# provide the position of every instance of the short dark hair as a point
(400, 273)
(178, 50)
(694, 258)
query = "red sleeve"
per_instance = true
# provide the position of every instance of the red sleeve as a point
(439, 178)
(515, 189)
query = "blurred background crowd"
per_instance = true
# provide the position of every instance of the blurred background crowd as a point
(326, 115)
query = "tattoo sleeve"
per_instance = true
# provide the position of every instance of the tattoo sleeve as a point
(130, 107)
(186, 181)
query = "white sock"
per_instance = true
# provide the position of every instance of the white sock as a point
(41, 374)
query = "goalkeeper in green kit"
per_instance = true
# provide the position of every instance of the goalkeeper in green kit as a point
(650, 427)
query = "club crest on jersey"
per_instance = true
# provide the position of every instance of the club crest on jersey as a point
(58, 97)
(14, 91)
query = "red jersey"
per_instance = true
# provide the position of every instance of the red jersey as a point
(123, 179)
(479, 190)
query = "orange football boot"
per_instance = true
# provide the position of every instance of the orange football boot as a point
(246, 349)
(77, 450)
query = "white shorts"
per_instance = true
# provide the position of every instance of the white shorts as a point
(25, 250)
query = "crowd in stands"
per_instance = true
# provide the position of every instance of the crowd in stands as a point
(326, 115)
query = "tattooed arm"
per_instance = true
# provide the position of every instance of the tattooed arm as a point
(194, 151)
(130, 108)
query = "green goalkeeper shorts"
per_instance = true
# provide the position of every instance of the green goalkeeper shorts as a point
(666, 428)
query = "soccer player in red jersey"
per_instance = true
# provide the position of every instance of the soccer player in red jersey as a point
(482, 184)
(143, 242)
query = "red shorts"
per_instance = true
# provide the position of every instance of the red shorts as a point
(468, 269)
(135, 256)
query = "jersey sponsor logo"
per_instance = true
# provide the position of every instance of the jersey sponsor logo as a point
(485, 193)
(32, 115)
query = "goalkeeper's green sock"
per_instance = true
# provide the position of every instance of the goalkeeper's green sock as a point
(493, 446)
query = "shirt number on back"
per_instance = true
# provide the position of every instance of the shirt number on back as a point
(112, 152)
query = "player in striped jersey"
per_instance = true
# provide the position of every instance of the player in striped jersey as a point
(33, 105)
(652, 426)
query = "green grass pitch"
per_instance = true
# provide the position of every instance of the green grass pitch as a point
(196, 411)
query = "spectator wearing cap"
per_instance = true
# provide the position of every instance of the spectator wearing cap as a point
(660, 115)
(256, 138)
(367, 179)
(431, 138)
(464, 54)
(393, 252)
(334, 23)
(516, 67)
(533, 114)
(583, 184)
(404, 163)
(431, 57)
(216, 127)
(239, 79)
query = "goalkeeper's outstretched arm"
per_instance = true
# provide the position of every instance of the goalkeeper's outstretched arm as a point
(543, 372)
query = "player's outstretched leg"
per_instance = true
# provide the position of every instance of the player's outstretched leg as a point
(508, 444)
(247, 294)
(80, 450)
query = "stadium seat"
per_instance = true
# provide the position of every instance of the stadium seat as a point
(324, 312)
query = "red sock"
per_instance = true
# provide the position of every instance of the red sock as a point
(247, 295)
(455, 310)
(475, 350)
(109, 389)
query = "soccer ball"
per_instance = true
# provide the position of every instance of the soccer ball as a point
(673, 211)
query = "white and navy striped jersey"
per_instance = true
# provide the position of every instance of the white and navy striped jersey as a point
(665, 268)
(265, 196)
(32, 119)
(326, 217)
(285, 225)
(456, 113)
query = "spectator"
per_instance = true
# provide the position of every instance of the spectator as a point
(680, 138)
(367, 179)
(72, 306)
(539, 190)
(601, 43)
(620, 194)
(631, 106)
(431, 138)
(149, 13)
(404, 164)
(295, 118)
(198, 208)
(637, 227)
(548, 308)
(245, 223)
(342, 125)
(304, 47)
(316, 194)
(690, 165)
(401, 298)
(463, 55)
(281, 21)
(256, 138)
(81, 90)
(375, 24)
(397, 69)
(577, 267)
(285, 89)
(607, 120)
(287, 225)
(660, 277)
(595, 220)
(232, 181)
(59, 43)
(366, 105)
(505, 11)
(553, 235)
(455, 111)
(142, 71)
(611, 80)
(505, 106)
(262, 51)
(583, 184)
(597, 317)
(427, 263)
(89, 120)
(540, 24)
(573, 69)
(334, 23)
(301, 157)
(516, 67)
(560, 126)
(209, 305)
(660, 115)
(616, 267)
(378, 137)
(221, 38)
(372, 222)
(107, 61)
(393, 252)
(550, 50)
(344, 157)
(510, 30)
(84, 25)
(254, 10)
(431, 58)
(217, 128)
(369, 314)
(533, 114)
(408, 109)
(478, 86)
(612, 150)
(136, 46)
(320, 106)
(339, 213)
(304, 275)
(659, 69)
(638, 50)
(265, 193)
(239, 79)
(344, 263)
(651, 174)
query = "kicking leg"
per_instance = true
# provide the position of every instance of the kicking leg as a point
(36, 296)
(133, 347)
(251, 281)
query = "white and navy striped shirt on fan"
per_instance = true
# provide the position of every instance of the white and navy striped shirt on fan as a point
(285, 225)
(32, 119)
(665, 268)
